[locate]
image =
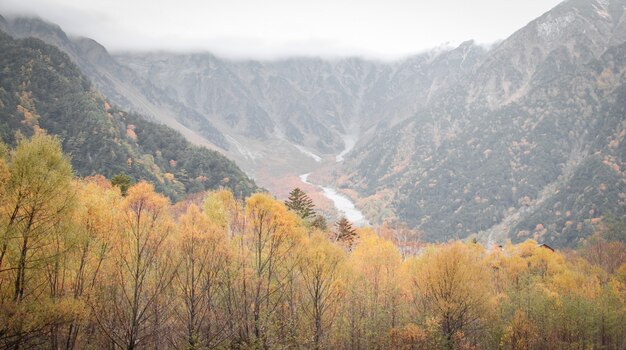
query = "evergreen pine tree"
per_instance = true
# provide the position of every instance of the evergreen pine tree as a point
(344, 232)
(123, 181)
(300, 203)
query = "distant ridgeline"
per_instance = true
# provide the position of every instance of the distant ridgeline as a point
(530, 141)
(41, 89)
(525, 139)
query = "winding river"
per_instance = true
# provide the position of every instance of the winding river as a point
(343, 204)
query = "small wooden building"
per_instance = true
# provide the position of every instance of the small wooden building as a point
(543, 245)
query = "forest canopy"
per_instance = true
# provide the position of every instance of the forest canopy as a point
(84, 267)
(41, 89)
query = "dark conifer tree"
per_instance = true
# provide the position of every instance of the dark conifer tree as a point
(300, 203)
(344, 232)
(123, 181)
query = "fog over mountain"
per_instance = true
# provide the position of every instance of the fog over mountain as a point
(283, 28)
(522, 139)
(291, 174)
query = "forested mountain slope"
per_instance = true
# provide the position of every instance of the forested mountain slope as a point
(531, 143)
(122, 86)
(522, 139)
(41, 89)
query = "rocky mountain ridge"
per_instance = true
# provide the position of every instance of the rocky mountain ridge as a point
(42, 90)
(528, 144)
(524, 139)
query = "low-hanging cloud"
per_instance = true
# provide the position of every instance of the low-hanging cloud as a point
(281, 28)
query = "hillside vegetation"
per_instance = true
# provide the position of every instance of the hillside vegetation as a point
(529, 143)
(523, 139)
(84, 267)
(41, 90)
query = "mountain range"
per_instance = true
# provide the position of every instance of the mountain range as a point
(41, 90)
(522, 139)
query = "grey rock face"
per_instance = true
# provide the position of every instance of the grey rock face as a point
(526, 145)
(502, 141)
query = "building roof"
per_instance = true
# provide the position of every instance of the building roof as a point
(543, 245)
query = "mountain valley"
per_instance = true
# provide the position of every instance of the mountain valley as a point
(522, 139)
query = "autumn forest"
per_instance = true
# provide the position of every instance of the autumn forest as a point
(85, 264)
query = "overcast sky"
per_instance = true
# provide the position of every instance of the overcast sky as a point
(278, 28)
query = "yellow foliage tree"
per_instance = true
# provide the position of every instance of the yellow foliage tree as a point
(203, 249)
(320, 268)
(140, 269)
(37, 196)
(450, 284)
